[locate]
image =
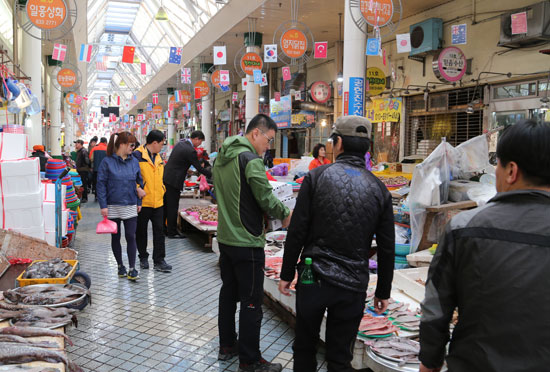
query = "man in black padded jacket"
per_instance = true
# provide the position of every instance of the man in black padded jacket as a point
(182, 157)
(340, 207)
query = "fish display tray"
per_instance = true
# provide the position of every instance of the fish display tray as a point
(76, 300)
(391, 358)
(65, 280)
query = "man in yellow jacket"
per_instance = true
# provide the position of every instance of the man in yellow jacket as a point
(152, 171)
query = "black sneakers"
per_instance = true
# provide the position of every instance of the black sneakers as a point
(133, 274)
(227, 353)
(144, 264)
(162, 266)
(261, 366)
(121, 271)
(176, 236)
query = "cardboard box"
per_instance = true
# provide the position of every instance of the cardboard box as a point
(48, 193)
(48, 209)
(13, 146)
(21, 211)
(20, 176)
(281, 189)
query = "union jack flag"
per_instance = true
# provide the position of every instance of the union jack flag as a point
(186, 75)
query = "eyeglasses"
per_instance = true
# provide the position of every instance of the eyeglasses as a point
(269, 140)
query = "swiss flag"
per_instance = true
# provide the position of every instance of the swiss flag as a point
(128, 54)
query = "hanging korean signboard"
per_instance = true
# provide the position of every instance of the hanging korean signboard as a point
(53, 18)
(376, 13)
(216, 79)
(376, 81)
(70, 98)
(387, 109)
(250, 62)
(449, 65)
(201, 89)
(356, 96)
(294, 43)
(185, 96)
(47, 14)
(66, 78)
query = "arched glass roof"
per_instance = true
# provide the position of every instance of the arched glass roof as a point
(115, 23)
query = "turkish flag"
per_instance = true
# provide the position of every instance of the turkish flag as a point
(128, 54)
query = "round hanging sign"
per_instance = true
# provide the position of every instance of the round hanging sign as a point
(294, 43)
(320, 92)
(70, 98)
(74, 109)
(157, 110)
(185, 96)
(450, 64)
(377, 12)
(47, 15)
(216, 79)
(250, 62)
(376, 80)
(172, 99)
(66, 78)
(203, 88)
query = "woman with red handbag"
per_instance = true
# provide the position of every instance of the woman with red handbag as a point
(119, 192)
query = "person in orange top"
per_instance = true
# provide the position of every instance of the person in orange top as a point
(319, 153)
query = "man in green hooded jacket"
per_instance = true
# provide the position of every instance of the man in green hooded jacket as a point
(244, 196)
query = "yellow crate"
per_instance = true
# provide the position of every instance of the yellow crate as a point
(24, 282)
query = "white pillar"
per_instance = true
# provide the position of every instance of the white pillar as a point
(55, 117)
(70, 131)
(31, 66)
(355, 42)
(252, 93)
(206, 122)
(171, 130)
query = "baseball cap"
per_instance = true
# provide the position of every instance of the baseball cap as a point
(79, 141)
(352, 126)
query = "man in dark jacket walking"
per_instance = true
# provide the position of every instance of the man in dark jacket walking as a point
(182, 157)
(358, 206)
(82, 167)
(97, 155)
(492, 264)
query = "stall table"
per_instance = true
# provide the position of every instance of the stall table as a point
(207, 229)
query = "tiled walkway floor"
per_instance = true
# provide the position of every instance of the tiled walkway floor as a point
(163, 322)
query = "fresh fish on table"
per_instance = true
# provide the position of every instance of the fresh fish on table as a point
(23, 340)
(56, 268)
(34, 332)
(400, 348)
(46, 294)
(20, 368)
(15, 354)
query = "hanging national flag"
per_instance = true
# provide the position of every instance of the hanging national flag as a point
(134, 99)
(112, 118)
(286, 73)
(277, 96)
(128, 54)
(102, 101)
(59, 51)
(235, 96)
(224, 77)
(199, 106)
(175, 55)
(270, 53)
(149, 106)
(126, 118)
(321, 48)
(117, 100)
(127, 105)
(101, 63)
(257, 77)
(186, 75)
(85, 53)
(220, 55)
(155, 98)
(177, 95)
(143, 68)
(403, 43)
(224, 88)
(264, 80)
(131, 118)
(298, 95)
(244, 82)
(168, 114)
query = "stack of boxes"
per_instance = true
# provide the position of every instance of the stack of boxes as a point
(48, 207)
(20, 191)
(283, 191)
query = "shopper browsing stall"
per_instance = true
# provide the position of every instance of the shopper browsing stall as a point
(182, 157)
(492, 263)
(82, 167)
(244, 195)
(319, 154)
(152, 209)
(119, 198)
(358, 206)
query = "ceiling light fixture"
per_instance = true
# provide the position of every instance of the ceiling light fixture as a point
(470, 109)
(161, 14)
(262, 99)
(324, 123)
(340, 77)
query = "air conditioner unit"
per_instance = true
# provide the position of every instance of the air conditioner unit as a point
(538, 27)
(426, 36)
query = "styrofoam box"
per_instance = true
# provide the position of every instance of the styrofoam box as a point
(14, 146)
(405, 280)
(290, 202)
(49, 217)
(50, 237)
(48, 193)
(281, 190)
(35, 232)
(21, 211)
(20, 176)
(273, 224)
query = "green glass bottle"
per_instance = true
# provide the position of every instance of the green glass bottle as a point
(307, 274)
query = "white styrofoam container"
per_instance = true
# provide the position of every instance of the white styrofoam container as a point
(35, 231)
(48, 193)
(50, 237)
(49, 217)
(274, 224)
(281, 189)
(290, 202)
(13, 146)
(21, 211)
(20, 176)
(405, 280)
(420, 258)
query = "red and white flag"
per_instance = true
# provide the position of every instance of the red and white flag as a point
(199, 106)
(117, 100)
(186, 75)
(112, 118)
(143, 68)
(224, 77)
(286, 73)
(220, 55)
(155, 98)
(101, 63)
(321, 48)
(235, 96)
(59, 51)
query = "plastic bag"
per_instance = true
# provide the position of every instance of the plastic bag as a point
(203, 184)
(106, 227)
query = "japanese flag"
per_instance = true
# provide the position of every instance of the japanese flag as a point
(244, 82)
(403, 43)
(220, 55)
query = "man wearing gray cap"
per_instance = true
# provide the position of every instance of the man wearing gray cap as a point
(340, 207)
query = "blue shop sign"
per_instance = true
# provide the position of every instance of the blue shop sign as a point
(281, 111)
(356, 96)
